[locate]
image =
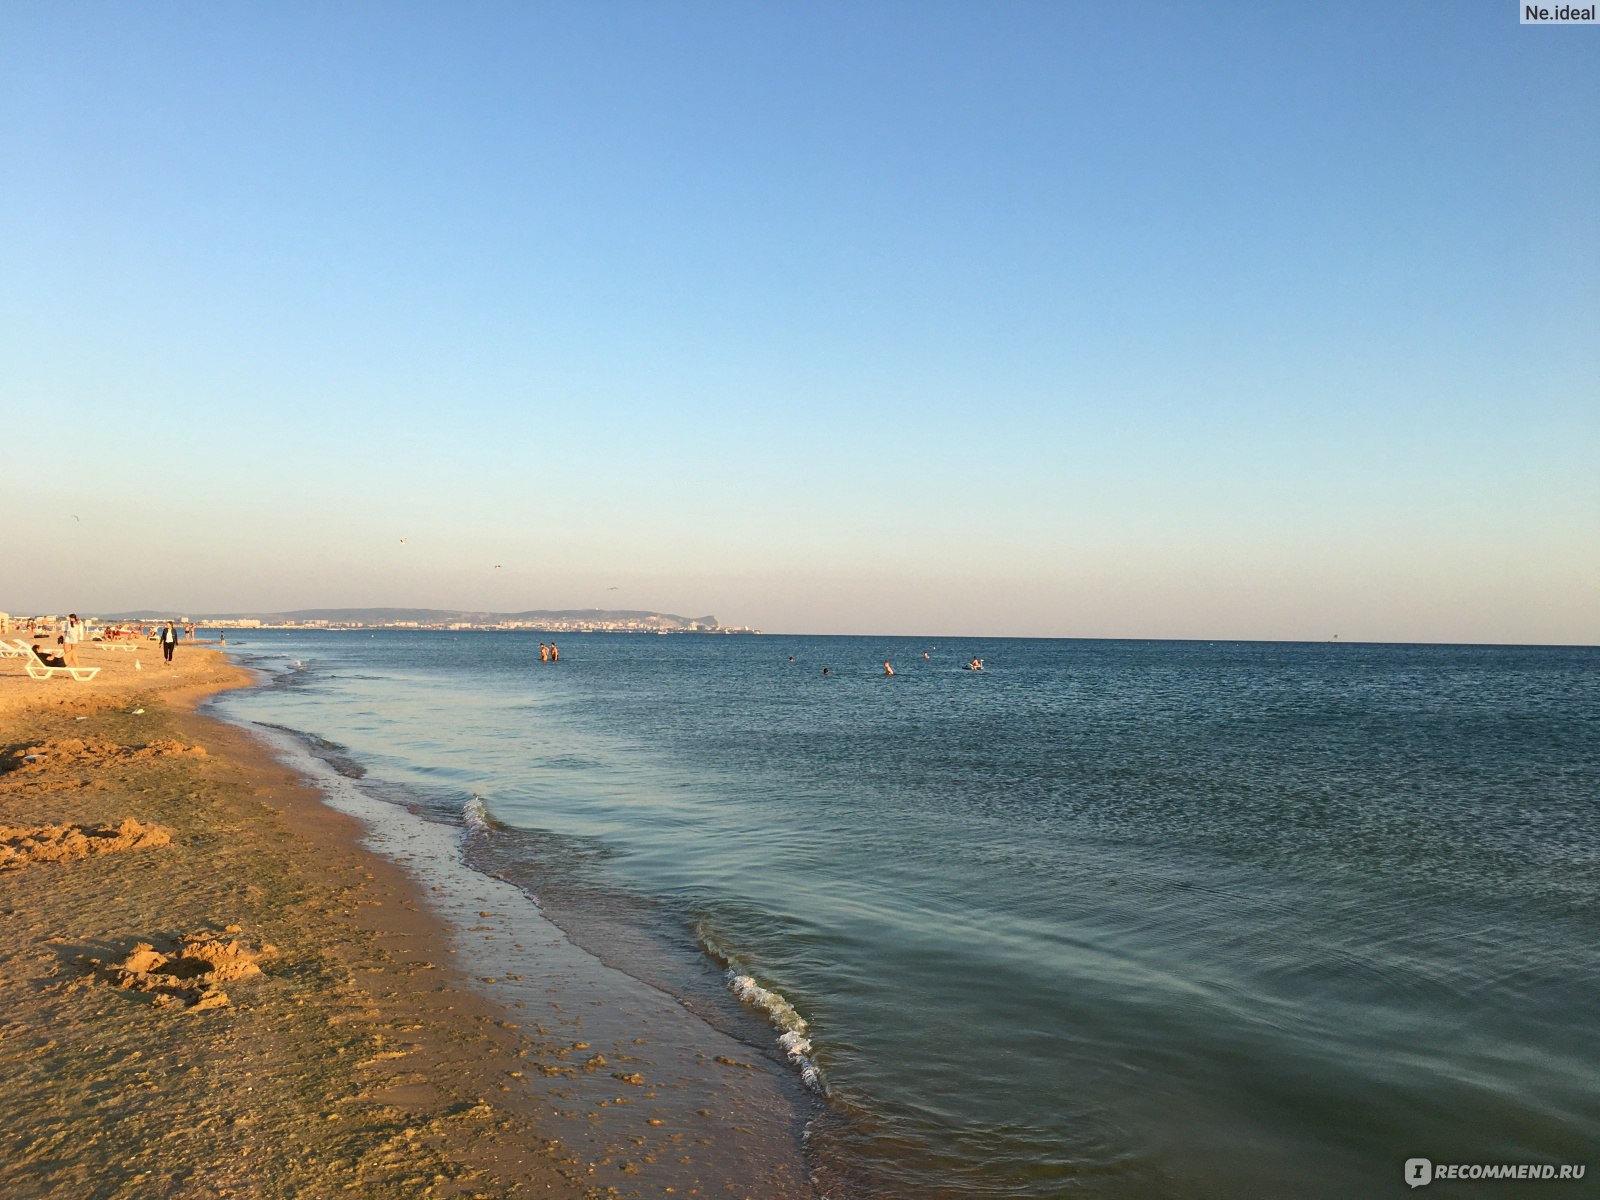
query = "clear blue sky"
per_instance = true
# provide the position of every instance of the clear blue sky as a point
(1169, 320)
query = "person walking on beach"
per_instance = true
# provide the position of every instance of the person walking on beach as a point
(169, 639)
(69, 640)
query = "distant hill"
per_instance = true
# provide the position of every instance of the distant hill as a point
(427, 616)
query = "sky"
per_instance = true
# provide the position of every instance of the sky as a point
(1013, 317)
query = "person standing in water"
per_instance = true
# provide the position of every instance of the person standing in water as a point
(544, 652)
(887, 669)
(555, 655)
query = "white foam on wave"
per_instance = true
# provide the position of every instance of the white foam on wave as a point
(791, 1025)
(475, 815)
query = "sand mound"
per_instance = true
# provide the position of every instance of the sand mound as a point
(187, 977)
(20, 846)
(88, 752)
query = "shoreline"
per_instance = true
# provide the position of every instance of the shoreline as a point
(416, 1028)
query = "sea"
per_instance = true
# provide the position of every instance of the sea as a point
(1102, 919)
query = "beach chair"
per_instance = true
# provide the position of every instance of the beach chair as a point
(8, 650)
(38, 670)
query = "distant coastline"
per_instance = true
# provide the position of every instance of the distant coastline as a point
(579, 620)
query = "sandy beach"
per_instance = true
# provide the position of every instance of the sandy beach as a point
(219, 980)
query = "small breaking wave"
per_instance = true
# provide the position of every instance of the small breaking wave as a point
(791, 1026)
(475, 815)
(793, 1041)
(277, 673)
(336, 756)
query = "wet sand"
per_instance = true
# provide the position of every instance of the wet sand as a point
(223, 974)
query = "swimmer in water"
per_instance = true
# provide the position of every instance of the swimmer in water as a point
(887, 669)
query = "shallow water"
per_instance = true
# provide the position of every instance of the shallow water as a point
(1107, 918)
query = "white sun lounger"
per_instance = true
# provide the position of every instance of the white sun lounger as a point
(38, 670)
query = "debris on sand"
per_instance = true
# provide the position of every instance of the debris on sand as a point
(21, 845)
(90, 752)
(189, 977)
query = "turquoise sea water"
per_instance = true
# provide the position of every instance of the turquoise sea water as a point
(1117, 919)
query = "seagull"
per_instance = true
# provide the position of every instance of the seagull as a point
(497, 566)
(402, 541)
(77, 518)
(612, 588)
